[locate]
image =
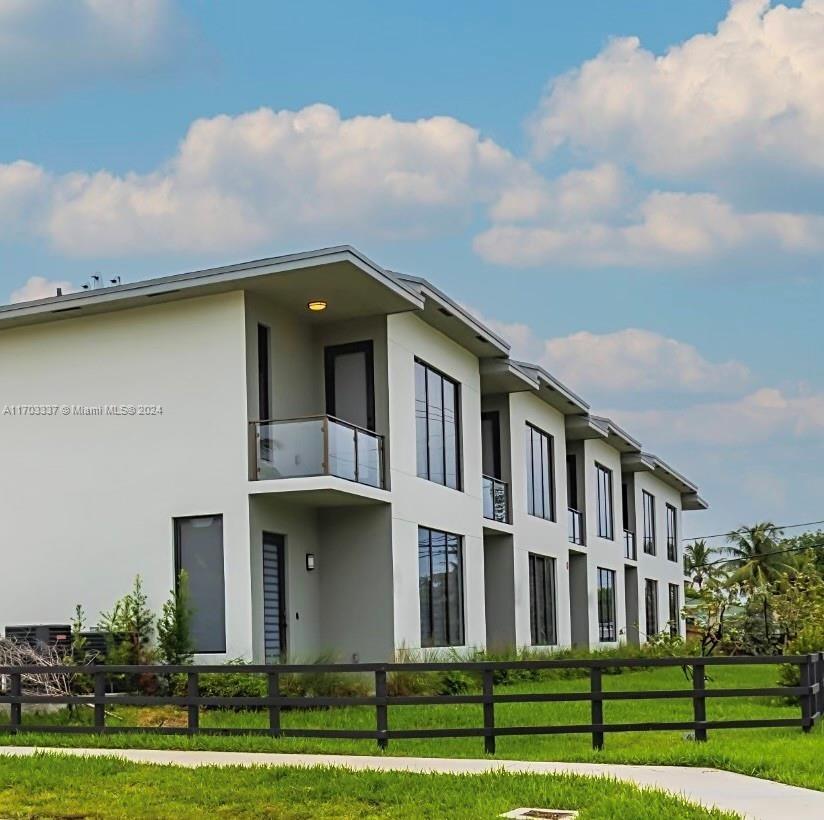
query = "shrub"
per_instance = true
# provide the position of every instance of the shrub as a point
(174, 627)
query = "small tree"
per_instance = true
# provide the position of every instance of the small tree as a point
(174, 627)
(130, 628)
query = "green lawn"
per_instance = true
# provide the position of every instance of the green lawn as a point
(786, 755)
(54, 787)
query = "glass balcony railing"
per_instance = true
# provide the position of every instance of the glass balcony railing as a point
(318, 445)
(629, 546)
(576, 526)
(496, 499)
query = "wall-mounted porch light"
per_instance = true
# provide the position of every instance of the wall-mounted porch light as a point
(316, 305)
(310, 561)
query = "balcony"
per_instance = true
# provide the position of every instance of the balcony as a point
(630, 550)
(576, 527)
(318, 446)
(496, 499)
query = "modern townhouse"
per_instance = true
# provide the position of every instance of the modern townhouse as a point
(340, 457)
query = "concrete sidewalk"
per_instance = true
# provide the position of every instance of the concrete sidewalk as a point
(748, 796)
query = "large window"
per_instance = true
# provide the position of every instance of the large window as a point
(674, 610)
(607, 630)
(437, 419)
(440, 566)
(542, 600)
(604, 488)
(649, 523)
(540, 478)
(672, 533)
(651, 606)
(199, 552)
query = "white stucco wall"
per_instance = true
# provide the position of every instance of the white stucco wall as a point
(419, 502)
(87, 502)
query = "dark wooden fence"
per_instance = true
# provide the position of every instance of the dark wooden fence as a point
(809, 692)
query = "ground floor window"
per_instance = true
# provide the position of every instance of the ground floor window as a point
(199, 553)
(674, 610)
(607, 630)
(440, 567)
(651, 606)
(542, 600)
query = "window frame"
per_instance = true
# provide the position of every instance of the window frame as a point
(607, 627)
(607, 531)
(430, 641)
(178, 556)
(550, 598)
(648, 514)
(651, 607)
(672, 532)
(547, 494)
(674, 622)
(427, 472)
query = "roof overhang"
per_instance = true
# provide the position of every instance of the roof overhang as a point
(552, 391)
(599, 427)
(648, 462)
(349, 282)
(447, 316)
(502, 376)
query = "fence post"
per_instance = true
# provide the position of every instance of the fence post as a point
(381, 711)
(16, 709)
(699, 702)
(807, 696)
(819, 701)
(489, 712)
(192, 692)
(274, 710)
(597, 706)
(99, 699)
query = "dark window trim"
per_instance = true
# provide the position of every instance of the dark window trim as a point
(550, 471)
(607, 620)
(178, 560)
(610, 518)
(495, 417)
(572, 481)
(329, 353)
(264, 349)
(458, 428)
(460, 538)
(651, 606)
(672, 533)
(649, 534)
(675, 622)
(550, 599)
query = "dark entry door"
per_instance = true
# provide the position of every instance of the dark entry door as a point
(274, 598)
(350, 383)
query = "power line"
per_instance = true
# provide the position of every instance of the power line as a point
(733, 532)
(771, 552)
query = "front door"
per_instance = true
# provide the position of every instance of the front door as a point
(274, 598)
(350, 383)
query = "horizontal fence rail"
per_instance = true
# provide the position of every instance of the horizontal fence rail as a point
(810, 693)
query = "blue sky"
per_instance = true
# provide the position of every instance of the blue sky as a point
(629, 191)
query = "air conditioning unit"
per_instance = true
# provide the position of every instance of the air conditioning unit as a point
(54, 635)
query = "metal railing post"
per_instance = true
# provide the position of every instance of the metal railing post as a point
(489, 712)
(805, 669)
(99, 699)
(16, 709)
(274, 710)
(699, 702)
(381, 710)
(192, 693)
(597, 707)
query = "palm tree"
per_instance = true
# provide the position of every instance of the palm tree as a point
(755, 561)
(698, 561)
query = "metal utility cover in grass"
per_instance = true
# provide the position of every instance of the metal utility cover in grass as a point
(543, 814)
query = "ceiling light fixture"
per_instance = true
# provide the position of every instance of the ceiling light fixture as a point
(316, 305)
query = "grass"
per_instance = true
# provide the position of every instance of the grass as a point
(785, 755)
(59, 787)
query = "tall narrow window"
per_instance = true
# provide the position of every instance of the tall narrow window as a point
(540, 477)
(440, 568)
(604, 490)
(625, 505)
(674, 610)
(607, 630)
(572, 481)
(542, 600)
(437, 421)
(651, 606)
(672, 533)
(649, 522)
(199, 552)
(264, 374)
